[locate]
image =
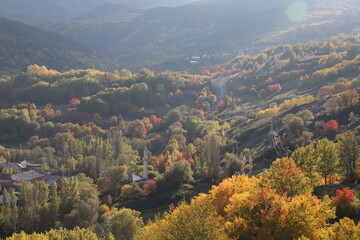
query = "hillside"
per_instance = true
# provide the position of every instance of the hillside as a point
(90, 27)
(112, 11)
(42, 11)
(22, 45)
(209, 120)
(265, 137)
(166, 38)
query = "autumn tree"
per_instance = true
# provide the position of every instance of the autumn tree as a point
(9, 213)
(349, 151)
(308, 160)
(213, 153)
(220, 195)
(124, 223)
(231, 164)
(194, 221)
(349, 98)
(329, 161)
(58, 234)
(267, 215)
(111, 179)
(345, 229)
(179, 173)
(343, 197)
(85, 208)
(286, 178)
(54, 204)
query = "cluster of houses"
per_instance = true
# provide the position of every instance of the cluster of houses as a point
(13, 174)
(25, 171)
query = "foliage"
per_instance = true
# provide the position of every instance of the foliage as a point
(57, 234)
(349, 151)
(309, 162)
(124, 223)
(343, 197)
(329, 161)
(286, 178)
(331, 126)
(202, 225)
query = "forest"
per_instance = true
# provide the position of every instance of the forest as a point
(180, 120)
(259, 147)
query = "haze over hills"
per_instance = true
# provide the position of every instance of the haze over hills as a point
(90, 27)
(41, 11)
(168, 37)
(22, 45)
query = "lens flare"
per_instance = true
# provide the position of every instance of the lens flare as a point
(297, 11)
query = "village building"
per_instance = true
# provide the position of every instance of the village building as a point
(14, 180)
(24, 166)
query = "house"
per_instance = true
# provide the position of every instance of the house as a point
(10, 165)
(134, 178)
(24, 165)
(57, 179)
(14, 180)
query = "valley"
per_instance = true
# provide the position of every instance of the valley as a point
(176, 119)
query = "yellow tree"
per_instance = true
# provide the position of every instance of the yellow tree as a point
(220, 195)
(286, 178)
(194, 221)
(268, 215)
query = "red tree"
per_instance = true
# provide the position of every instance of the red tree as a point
(274, 88)
(74, 101)
(331, 126)
(206, 72)
(343, 197)
(324, 91)
(149, 187)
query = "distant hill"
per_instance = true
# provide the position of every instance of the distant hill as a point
(42, 11)
(22, 45)
(112, 11)
(167, 37)
(91, 27)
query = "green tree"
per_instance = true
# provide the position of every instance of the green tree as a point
(85, 209)
(112, 178)
(308, 160)
(349, 151)
(9, 213)
(179, 173)
(124, 224)
(329, 161)
(286, 178)
(54, 204)
(213, 154)
(28, 216)
(69, 195)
